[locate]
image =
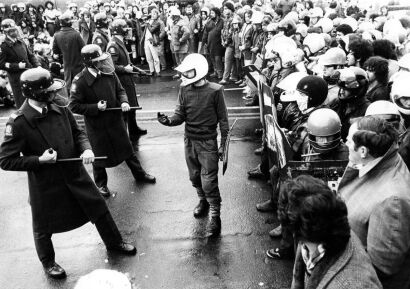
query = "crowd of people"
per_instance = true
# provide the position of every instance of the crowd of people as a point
(337, 73)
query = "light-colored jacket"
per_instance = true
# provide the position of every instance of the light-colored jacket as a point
(352, 269)
(378, 202)
(180, 37)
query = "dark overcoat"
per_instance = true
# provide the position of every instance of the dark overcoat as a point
(121, 58)
(106, 129)
(212, 36)
(62, 195)
(68, 43)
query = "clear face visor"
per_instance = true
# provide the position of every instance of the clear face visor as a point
(403, 102)
(295, 96)
(104, 64)
(189, 74)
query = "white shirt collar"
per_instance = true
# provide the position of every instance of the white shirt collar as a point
(93, 72)
(38, 108)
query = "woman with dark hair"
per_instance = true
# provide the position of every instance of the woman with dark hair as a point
(377, 69)
(329, 255)
(359, 51)
(375, 187)
(50, 17)
(386, 49)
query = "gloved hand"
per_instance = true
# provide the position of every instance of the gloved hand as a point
(221, 151)
(163, 119)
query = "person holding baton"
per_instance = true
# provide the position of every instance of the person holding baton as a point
(62, 194)
(94, 92)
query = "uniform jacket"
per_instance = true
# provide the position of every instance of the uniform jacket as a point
(350, 269)
(180, 36)
(101, 39)
(121, 58)
(212, 37)
(106, 130)
(378, 201)
(62, 195)
(202, 109)
(87, 31)
(68, 43)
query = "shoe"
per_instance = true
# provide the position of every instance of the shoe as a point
(213, 74)
(258, 151)
(123, 248)
(158, 74)
(104, 191)
(55, 271)
(141, 131)
(147, 178)
(214, 227)
(201, 209)
(234, 80)
(149, 73)
(223, 82)
(256, 173)
(239, 81)
(280, 253)
(277, 232)
(243, 84)
(176, 76)
(247, 97)
(267, 206)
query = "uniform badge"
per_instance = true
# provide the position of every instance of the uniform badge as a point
(99, 41)
(9, 130)
(112, 50)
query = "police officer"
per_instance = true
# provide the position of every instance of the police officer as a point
(62, 195)
(95, 89)
(101, 35)
(68, 43)
(201, 106)
(125, 72)
(15, 57)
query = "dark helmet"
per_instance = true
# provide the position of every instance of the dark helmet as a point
(92, 53)
(119, 27)
(324, 128)
(8, 24)
(101, 20)
(315, 88)
(66, 19)
(38, 84)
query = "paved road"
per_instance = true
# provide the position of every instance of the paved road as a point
(172, 250)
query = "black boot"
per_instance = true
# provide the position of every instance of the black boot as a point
(214, 227)
(55, 271)
(201, 209)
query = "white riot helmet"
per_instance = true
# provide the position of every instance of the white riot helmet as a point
(400, 92)
(193, 68)
(316, 12)
(404, 62)
(335, 56)
(314, 42)
(383, 109)
(351, 22)
(326, 24)
(257, 17)
(290, 82)
(302, 29)
(284, 48)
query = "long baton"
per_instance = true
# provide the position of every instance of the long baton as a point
(79, 159)
(119, 108)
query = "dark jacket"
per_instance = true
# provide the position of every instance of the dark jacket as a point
(105, 129)
(87, 31)
(379, 92)
(68, 43)
(202, 109)
(121, 58)
(212, 37)
(62, 195)
(349, 269)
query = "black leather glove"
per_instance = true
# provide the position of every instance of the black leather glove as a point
(221, 151)
(163, 119)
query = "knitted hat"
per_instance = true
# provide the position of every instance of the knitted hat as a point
(230, 6)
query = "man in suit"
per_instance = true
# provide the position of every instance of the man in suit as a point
(15, 57)
(68, 43)
(62, 195)
(87, 28)
(125, 71)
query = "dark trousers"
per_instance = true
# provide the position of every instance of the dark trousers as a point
(14, 79)
(100, 173)
(131, 122)
(106, 227)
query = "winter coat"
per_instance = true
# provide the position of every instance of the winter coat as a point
(105, 129)
(350, 269)
(180, 37)
(87, 31)
(62, 195)
(227, 33)
(379, 92)
(212, 37)
(246, 40)
(378, 200)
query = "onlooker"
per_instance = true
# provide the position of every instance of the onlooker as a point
(212, 38)
(377, 69)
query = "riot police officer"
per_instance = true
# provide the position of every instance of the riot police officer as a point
(125, 71)
(201, 106)
(95, 89)
(15, 57)
(101, 35)
(62, 195)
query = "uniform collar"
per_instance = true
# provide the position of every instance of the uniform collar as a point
(32, 114)
(10, 41)
(89, 77)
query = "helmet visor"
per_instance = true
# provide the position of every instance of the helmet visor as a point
(189, 73)
(348, 85)
(104, 64)
(403, 102)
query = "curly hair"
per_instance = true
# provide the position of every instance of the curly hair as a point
(384, 48)
(361, 49)
(375, 133)
(344, 28)
(380, 66)
(316, 214)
